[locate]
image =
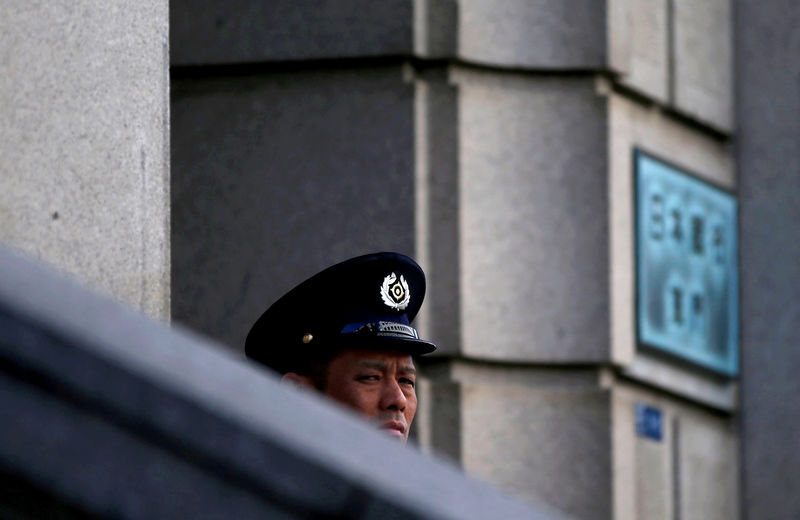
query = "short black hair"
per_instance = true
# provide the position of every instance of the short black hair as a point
(316, 368)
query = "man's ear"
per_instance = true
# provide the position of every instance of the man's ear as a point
(295, 379)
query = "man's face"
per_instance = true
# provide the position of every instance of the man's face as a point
(379, 385)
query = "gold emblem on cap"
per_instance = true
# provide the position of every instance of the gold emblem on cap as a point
(394, 292)
(307, 338)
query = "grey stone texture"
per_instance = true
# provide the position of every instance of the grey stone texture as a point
(544, 34)
(279, 175)
(541, 434)
(438, 422)
(639, 45)
(435, 28)
(493, 141)
(702, 75)
(714, 391)
(691, 472)
(768, 104)
(708, 469)
(247, 31)
(533, 226)
(654, 471)
(84, 141)
(568, 437)
(437, 206)
(541, 445)
(643, 468)
(659, 48)
(676, 53)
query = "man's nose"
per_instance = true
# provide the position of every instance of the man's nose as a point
(393, 397)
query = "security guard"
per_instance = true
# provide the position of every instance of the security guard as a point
(347, 332)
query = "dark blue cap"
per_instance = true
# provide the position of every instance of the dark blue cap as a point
(367, 302)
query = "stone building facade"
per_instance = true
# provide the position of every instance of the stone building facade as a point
(493, 141)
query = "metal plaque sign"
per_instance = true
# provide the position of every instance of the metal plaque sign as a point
(648, 422)
(687, 274)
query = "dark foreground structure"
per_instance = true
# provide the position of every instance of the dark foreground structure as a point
(107, 414)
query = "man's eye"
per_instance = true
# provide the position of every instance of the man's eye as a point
(407, 381)
(368, 378)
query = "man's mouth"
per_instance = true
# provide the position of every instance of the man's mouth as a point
(394, 428)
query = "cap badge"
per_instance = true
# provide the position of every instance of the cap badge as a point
(394, 292)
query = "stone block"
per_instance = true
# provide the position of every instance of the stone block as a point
(715, 391)
(643, 467)
(533, 33)
(533, 217)
(708, 468)
(279, 175)
(638, 33)
(654, 477)
(437, 207)
(248, 31)
(437, 427)
(690, 472)
(435, 28)
(532, 376)
(632, 124)
(549, 446)
(702, 81)
(84, 179)
(439, 420)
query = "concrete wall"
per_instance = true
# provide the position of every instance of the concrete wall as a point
(276, 176)
(532, 183)
(84, 141)
(768, 104)
(692, 472)
(490, 140)
(494, 143)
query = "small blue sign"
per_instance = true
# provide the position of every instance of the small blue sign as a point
(686, 266)
(648, 422)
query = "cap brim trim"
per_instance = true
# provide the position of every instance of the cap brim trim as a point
(414, 347)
